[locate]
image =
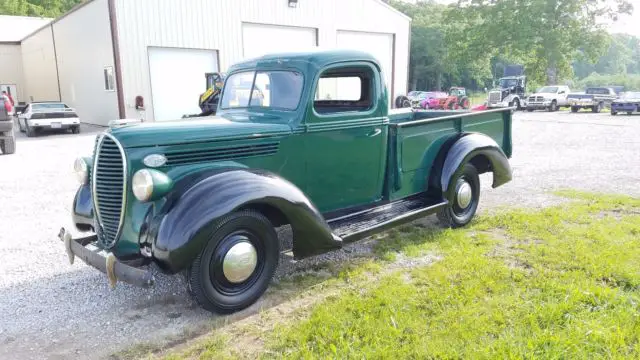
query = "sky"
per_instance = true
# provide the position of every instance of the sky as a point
(626, 24)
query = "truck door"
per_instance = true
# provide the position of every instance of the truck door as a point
(346, 136)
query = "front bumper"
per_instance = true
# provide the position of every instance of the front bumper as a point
(106, 262)
(625, 107)
(498, 105)
(538, 105)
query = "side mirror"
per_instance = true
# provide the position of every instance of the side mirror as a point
(561, 92)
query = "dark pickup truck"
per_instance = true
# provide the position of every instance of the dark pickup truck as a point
(594, 98)
(7, 137)
(304, 139)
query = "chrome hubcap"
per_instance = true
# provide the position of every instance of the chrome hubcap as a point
(240, 262)
(464, 194)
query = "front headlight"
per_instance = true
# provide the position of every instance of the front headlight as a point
(81, 170)
(142, 184)
(150, 184)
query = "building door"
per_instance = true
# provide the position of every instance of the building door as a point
(380, 45)
(178, 79)
(261, 39)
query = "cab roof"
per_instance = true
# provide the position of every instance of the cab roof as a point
(313, 59)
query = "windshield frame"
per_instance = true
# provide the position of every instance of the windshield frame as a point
(255, 72)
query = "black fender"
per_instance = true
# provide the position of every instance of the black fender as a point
(184, 224)
(482, 151)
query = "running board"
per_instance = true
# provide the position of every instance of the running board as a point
(363, 224)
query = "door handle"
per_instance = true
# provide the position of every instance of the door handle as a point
(375, 132)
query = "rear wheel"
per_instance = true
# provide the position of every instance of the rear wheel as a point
(29, 130)
(237, 264)
(574, 109)
(464, 102)
(75, 129)
(463, 202)
(530, 109)
(597, 108)
(629, 112)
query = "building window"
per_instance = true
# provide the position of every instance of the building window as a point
(108, 79)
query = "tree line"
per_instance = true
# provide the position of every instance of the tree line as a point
(40, 8)
(559, 42)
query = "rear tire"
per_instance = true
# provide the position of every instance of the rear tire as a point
(629, 112)
(208, 280)
(29, 130)
(530, 109)
(75, 129)
(596, 108)
(8, 146)
(455, 214)
(575, 109)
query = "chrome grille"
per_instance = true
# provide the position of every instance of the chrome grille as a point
(495, 96)
(109, 189)
(536, 98)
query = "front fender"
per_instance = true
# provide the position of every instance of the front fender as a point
(182, 228)
(468, 147)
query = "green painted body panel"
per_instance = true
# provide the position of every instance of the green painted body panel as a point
(338, 161)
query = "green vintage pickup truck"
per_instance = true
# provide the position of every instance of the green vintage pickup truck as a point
(304, 139)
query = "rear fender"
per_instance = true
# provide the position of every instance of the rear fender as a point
(481, 150)
(184, 224)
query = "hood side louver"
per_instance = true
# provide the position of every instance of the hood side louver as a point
(218, 154)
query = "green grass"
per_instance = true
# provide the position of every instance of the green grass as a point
(558, 283)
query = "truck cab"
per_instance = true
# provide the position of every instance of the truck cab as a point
(300, 139)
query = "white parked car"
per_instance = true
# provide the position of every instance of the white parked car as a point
(550, 98)
(48, 115)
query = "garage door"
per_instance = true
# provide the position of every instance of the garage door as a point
(178, 79)
(379, 45)
(260, 39)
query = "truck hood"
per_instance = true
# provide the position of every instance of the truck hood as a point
(195, 130)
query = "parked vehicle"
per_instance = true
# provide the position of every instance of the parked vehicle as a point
(511, 89)
(203, 197)
(208, 101)
(53, 115)
(431, 100)
(629, 102)
(7, 137)
(594, 98)
(550, 98)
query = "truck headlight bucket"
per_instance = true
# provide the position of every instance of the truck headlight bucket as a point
(149, 184)
(81, 169)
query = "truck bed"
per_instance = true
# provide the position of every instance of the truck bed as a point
(416, 136)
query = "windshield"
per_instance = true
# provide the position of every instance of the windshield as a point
(631, 95)
(269, 89)
(548, 90)
(49, 106)
(507, 83)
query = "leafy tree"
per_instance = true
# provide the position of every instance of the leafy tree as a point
(44, 8)
(544, 35)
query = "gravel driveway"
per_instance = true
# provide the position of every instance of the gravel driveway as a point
(51, 310)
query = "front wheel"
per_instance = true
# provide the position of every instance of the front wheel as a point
(463, 203)
(237, 264)
(554, 106)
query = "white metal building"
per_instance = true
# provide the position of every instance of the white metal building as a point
(103, 54)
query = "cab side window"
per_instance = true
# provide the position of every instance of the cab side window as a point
(345, 89)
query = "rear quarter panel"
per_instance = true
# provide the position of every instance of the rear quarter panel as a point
(418, 143)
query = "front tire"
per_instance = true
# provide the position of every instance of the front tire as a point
(597, 108)
(464, 200)
(235, 267)
(554, 106)
(29, 130)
